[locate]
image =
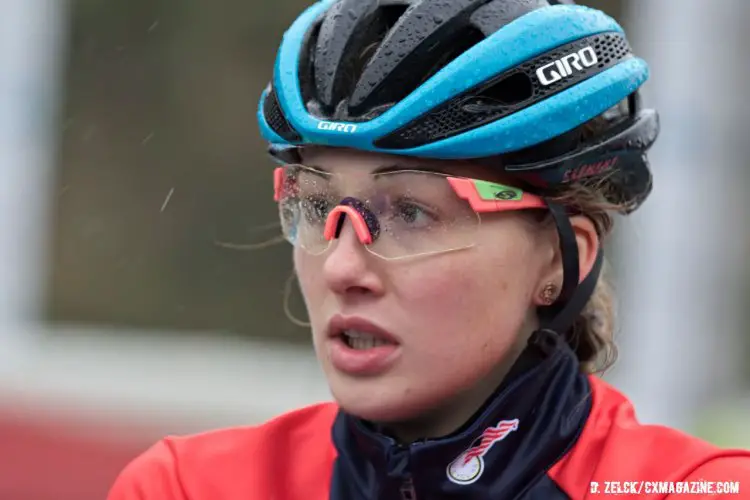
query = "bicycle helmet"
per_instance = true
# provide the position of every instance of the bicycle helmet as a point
(508, 83)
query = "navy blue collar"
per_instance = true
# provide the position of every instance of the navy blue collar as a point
(534, 417)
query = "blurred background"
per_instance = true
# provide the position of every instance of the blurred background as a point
(133, 174)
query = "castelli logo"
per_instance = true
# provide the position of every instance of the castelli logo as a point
(468, 467)
(589, 170)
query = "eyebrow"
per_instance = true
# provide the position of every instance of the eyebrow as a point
(418, 168)
(385, 169)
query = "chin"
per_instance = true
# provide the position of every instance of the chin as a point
(378, 399)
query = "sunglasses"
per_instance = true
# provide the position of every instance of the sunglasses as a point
(395, 214)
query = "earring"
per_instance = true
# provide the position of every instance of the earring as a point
(549, 294)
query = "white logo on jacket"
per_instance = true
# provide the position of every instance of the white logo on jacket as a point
(469, 465)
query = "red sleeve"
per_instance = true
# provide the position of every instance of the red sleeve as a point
(289, 457)
(728, 477)
(151, 476)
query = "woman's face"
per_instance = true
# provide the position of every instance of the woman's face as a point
(452, 321)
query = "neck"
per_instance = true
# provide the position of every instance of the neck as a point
(450, 415)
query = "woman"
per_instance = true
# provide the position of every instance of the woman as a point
(449, 171)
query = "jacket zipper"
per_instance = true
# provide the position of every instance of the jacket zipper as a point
(407, 490)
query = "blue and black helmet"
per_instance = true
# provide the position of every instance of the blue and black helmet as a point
(544, 90)
(511, 83)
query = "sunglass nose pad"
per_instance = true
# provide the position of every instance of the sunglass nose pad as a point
(365, 223)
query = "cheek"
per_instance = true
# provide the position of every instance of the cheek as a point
(446, 289)
(313, 291)
(476, 282)
(309, 278)
(470, 305)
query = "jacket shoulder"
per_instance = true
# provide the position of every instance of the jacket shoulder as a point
(292, 452)
(724, 476)
(614, 446)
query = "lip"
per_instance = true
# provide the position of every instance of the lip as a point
(339, 323)
(360, 362)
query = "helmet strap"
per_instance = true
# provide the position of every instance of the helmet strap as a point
(560, 316)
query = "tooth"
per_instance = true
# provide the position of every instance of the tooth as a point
(361, 340)
(354, 334)
(362, 343)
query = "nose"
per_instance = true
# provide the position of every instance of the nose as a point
(349, 269)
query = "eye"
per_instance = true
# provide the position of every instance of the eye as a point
(412, 213)
(316, 209)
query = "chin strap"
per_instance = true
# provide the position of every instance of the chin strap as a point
(560, 316)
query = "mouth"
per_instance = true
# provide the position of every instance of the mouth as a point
(360, 348)
(359, 334)
(360, 341)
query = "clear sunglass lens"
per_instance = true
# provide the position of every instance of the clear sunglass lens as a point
(418, 212)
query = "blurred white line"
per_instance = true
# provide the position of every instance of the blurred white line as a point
(179, 382)
(166, 200)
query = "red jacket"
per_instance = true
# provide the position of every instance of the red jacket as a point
(297, 456)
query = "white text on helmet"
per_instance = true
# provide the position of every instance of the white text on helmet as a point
(347, 128)
(564, 67)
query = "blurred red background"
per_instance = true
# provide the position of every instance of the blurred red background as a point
(44, 456)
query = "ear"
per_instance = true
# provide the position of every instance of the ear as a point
(587, 240)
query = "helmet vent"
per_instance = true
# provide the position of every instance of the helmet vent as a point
(391, 14)
(426, 37)
(465, 39)
(511, 90)
(276, 119)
